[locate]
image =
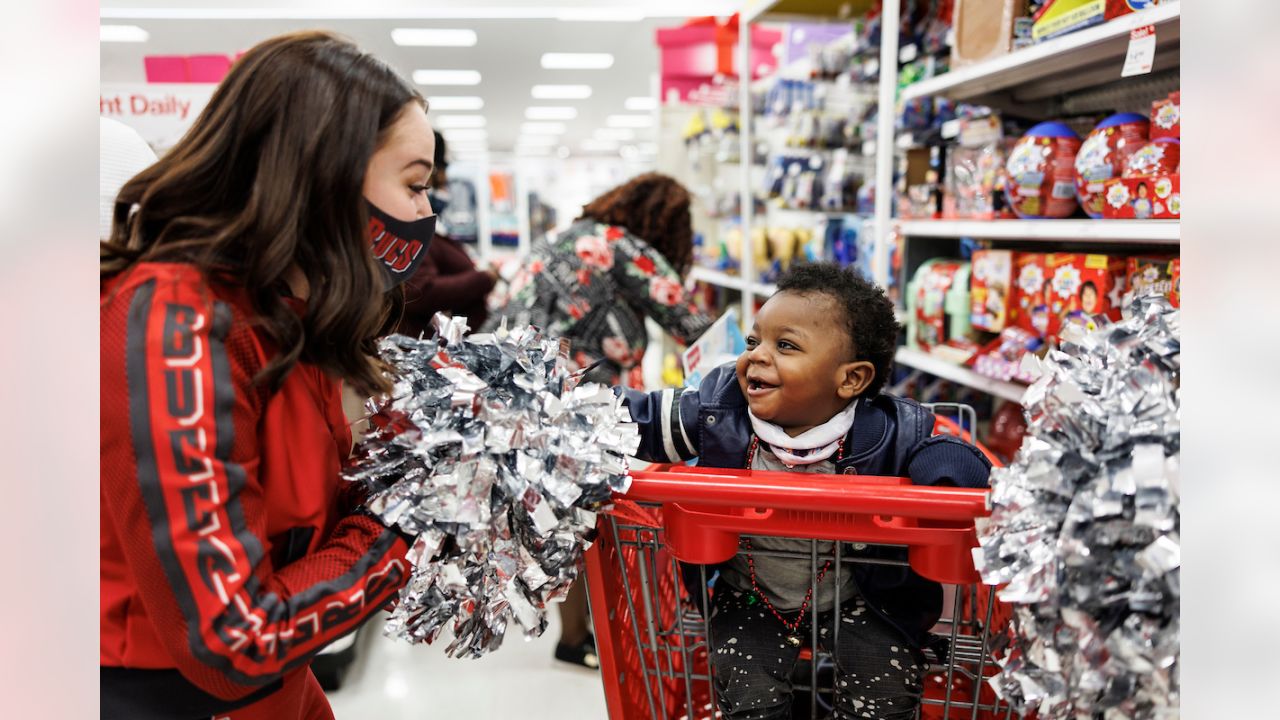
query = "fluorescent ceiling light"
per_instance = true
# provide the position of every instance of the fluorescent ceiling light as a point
(122, 33)
(459, 121)
(543, 128)
(433, 37)
(446, 77)
(577, 61)
(550, 113)
(538, 140)
(643, 103)
(512, 9)
(629, 121)
(601, 15)
(561, 92)
(615, 134)
(599, 145)
(454, 102)
(467, 134)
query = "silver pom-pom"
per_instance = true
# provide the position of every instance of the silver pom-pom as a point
(1083, 533)
(490, 454)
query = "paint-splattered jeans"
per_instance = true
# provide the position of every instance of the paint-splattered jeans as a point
(877, 674)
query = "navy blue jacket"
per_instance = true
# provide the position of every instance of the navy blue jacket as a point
(890, 436)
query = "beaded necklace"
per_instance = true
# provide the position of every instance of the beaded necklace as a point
(792, 626)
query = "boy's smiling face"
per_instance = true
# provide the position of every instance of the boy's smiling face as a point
(799, 368)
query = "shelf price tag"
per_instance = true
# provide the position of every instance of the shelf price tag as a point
(1142, 51)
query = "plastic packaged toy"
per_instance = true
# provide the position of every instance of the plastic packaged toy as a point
(938, 304)
(1040, 172)
(1103, 155)
(990, 289)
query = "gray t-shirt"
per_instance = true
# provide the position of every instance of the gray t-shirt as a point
(785, 580)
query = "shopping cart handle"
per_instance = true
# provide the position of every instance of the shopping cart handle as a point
(705, 510)
(808, 492)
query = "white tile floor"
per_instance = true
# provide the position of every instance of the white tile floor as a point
(392, 680)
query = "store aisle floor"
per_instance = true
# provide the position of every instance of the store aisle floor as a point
(391, 680)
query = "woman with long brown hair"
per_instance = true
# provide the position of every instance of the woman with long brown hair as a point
(246, 278)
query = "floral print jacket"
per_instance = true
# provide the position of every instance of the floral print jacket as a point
(594, 284)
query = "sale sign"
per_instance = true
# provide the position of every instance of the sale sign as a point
(161, 113)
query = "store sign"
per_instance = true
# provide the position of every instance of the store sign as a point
(161, 113)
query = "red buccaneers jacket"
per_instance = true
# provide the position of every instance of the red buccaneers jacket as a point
(228, 554)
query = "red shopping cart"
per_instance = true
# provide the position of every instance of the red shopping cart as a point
(651, 634)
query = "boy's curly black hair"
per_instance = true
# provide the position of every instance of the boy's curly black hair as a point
(869, 317)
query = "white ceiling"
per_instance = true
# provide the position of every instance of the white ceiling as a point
(507, 52)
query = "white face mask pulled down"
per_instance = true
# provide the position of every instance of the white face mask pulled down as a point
(811, 446)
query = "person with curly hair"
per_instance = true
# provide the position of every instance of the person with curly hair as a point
(594, 283)
(805, 397)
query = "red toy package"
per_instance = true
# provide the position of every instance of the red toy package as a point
(1158, 157)
(1175, 290)
(1103, 156)
(990, 288)
(1028, 308)
(1040, 172)
(1143, 198)
(1166, 116)
(1080, 286)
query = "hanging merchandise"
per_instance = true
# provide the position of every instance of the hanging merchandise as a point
(1040, 172)
(1083, 536)
(1103, 156)
(491, 455)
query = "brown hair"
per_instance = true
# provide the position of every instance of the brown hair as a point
(270, 177)
(653, 207)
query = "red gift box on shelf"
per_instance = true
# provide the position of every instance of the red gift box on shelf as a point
(1143, 198)
(694, 54)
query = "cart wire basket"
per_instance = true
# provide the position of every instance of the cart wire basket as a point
(652, 633)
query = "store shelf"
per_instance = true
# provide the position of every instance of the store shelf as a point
(1056, 58)
(732, 282)
(925, 362)
(1160, 232)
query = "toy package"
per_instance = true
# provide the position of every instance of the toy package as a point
(1103, 156)
(1175, 275)
(938, 304)
(1162, 156)
(1166, 116)
(1002, 358)
(990, 289)
(1028, 308)
(1080, 287)
(1040, 173)
(719, 344)
(1154, 276)
(1143, 198)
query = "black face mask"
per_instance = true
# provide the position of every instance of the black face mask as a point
(399, 245)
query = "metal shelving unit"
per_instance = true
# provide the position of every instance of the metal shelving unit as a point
(948, 370)
(1086, 57)
(1159, 232)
